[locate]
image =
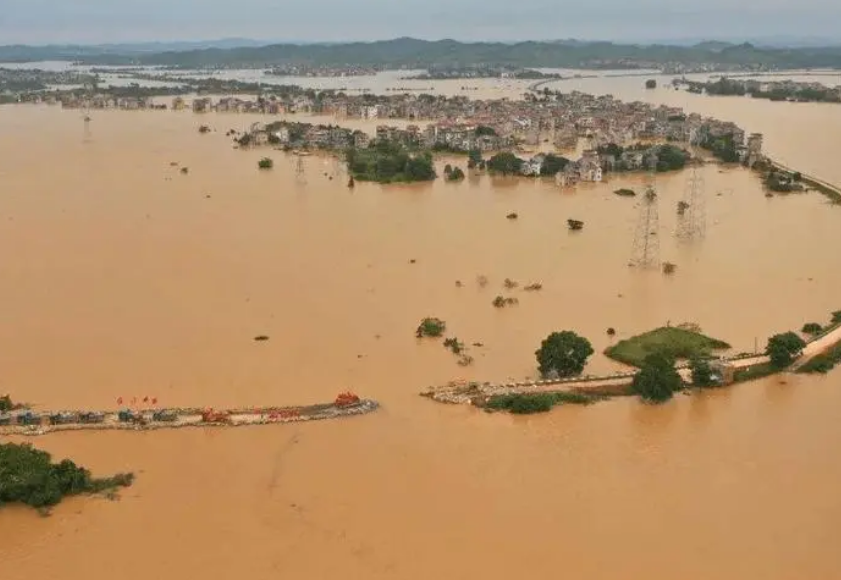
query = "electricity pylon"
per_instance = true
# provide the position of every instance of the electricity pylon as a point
(645, 252)
(692, 216)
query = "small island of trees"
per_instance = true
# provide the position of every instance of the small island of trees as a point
(28, 476)
(431, 327)
(387, 162)
(453, 173)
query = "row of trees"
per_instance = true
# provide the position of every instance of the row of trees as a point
(731, 87)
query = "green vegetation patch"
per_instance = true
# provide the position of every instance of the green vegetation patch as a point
(6, 404)
(754, 372)
(431, 327)
(677, 343)
(387, 162)
(530, 403)
(824, 362)
(28, 476)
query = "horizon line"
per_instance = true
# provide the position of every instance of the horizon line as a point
(688, 41)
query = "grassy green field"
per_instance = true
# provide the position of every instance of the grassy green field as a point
(529, 403)
(677, 342)
(755, 372)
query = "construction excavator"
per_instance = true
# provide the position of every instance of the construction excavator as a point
(346, 399)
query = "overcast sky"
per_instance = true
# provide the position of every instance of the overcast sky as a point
(94, 21)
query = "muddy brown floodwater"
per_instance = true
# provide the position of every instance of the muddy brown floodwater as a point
(123, 277)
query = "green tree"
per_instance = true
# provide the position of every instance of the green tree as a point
(670, 158)
(702, 372)
(564, 353)
(455, 175)
(657, 379)
(783, 348)
(812, 328)
(505, 163)
(651, 84)
(552, 164)
(420, 168)
(611, 149)
(474, 158)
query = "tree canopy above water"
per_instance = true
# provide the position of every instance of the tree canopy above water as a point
(28, 476)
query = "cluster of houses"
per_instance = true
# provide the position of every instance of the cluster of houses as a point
(460, 124)
(440, 136)
(105, 102)
(453, 122)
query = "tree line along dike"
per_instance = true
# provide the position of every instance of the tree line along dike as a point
(666, 361)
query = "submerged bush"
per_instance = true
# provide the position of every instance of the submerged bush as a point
(431, 327)
(530, 403)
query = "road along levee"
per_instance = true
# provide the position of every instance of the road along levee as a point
(29, 422)
(471, 393)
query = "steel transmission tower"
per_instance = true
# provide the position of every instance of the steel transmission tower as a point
(692, 214)
(646, 250)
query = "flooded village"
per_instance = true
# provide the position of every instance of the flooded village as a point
(617, 135)
(134, 277)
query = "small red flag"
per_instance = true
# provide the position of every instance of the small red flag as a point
(145, 399)
(119, 400)
(154, 400)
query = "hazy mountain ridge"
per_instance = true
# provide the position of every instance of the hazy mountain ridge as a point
(412, 52)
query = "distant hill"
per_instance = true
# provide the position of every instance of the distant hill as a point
(120, 51)
(415, 53)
